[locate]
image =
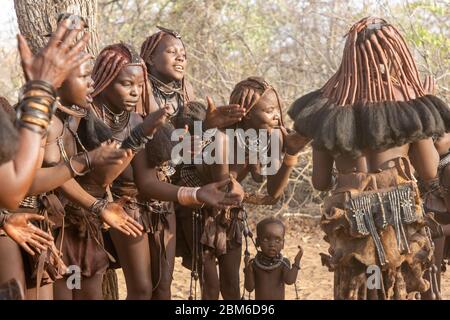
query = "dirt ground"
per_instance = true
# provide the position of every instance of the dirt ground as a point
(314, 281)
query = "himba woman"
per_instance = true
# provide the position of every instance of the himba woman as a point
(37, 99)
(365, 121)
(120, 83)
(59, 154)
(80, 248)
(442, 192)
(165, 56)
(82, 237)
(20, 152)
(219, 232)
(436, 199)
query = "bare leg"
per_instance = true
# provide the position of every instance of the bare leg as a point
(229, 264)
(210, 283)
(438, 255)
(11, 261)
(439, 245)
(445, 181)
(162, 292)
(45, 293)
(446, 229)
(91, 288)
(134, 256)
(61, 290)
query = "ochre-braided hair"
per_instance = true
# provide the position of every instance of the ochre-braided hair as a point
(108, 65)
(259, 86)
(149, 46)
(375, 58)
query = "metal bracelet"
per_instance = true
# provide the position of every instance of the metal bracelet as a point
(136, 140)
(76, 173)
(33, 128)
(40, 85)
(4, 215)
(98, 206)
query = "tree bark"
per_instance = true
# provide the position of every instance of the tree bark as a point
(36, 18)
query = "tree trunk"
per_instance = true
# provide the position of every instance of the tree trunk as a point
(36, 18)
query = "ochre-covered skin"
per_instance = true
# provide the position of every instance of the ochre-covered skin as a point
(371, 113)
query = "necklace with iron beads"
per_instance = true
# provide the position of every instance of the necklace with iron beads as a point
(166, 88)
(117, 122)
(117, 117)
(254, 145)
(265, 263)
(73, 110)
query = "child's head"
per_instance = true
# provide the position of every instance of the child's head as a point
(159, 149)
(193, 112)
(270, 236)
(265, 111)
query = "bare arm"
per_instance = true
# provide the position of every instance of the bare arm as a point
(113, 214)
(220, 169)
(277, 183)
(106, 174)
(443, 144)
(150, 187)
(290, 275)
(291, 142)
(76, 194)
(19, 172)
(147, 181)
(48, 179)
(322, 170)
(424, 158)
(57, 172)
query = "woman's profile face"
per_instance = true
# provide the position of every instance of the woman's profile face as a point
(265, 114)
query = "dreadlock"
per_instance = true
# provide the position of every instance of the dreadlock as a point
(162, 141)
(258, 85)
(375, 53)
(148, 48)
(194, 111)
(108, 65)
(374, 101)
